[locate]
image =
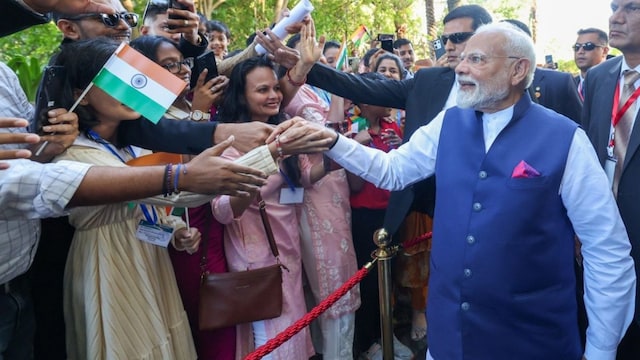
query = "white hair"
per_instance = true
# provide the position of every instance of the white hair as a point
(517, 43)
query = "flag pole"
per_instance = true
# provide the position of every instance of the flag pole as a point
(73, 107)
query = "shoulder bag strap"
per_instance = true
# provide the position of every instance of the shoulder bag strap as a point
(267, 226)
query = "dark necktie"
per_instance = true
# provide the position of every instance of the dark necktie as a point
(622, 130)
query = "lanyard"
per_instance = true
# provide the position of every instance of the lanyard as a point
(617, 114)
(151, 218)
(290, 183)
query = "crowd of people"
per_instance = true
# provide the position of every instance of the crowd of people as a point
(526, 176)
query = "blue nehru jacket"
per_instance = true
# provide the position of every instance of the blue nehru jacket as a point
(502, 283)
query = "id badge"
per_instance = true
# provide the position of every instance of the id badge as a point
(610, 168)
(291, 196)
(155, 234)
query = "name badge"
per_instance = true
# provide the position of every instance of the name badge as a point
(291, 196)
(610, 168)
(155, 234)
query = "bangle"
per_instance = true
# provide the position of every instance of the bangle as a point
(294, 83)
(279, 148)
(175, 179)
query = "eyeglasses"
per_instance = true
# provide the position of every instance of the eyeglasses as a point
(110, 20)
(479, 60)
(176, 67)
(456, 38)
(588, 46)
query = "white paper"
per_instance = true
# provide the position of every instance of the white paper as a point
(302, 9)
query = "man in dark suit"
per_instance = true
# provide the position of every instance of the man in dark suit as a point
(430, 91)
(553, 89)
(602, 84)
(591, 48)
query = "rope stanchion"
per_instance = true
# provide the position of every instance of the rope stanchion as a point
(415, 241)
(303, 322)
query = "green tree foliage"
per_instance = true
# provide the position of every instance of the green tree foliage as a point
(27, 52)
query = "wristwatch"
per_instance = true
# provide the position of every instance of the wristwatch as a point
(197, 115)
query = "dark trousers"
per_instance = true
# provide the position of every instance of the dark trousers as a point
(17, 324)
(629, 348)
(47, 274)
(364, 222)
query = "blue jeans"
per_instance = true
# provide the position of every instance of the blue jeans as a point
(17, 325)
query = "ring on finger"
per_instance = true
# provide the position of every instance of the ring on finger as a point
(186, 23)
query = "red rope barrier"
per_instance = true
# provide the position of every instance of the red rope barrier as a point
(303, 322)
(424, 237)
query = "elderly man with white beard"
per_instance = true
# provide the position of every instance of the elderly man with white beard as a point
(515, 183)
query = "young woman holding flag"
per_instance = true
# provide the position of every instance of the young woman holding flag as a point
(120, 294)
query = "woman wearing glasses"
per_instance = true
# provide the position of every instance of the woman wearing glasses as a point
(215, 344)
(121, 299)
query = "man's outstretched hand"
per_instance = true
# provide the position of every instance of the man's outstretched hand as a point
(14, 139)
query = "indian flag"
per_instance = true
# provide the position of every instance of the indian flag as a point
(139, 83)
(358, 35)
(342, 57)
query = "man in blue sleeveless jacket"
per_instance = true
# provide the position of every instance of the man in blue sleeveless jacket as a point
(515, 183)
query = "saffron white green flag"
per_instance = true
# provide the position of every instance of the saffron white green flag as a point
(341, 63)
(139, 83)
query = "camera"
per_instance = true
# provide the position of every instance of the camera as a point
(386, 42)
(439, 49)
(175, 5)
(204, 61)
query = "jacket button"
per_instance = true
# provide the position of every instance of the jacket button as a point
(477, 206)
(471, 239)
(482, 174)
(467, 273)
(465, 306)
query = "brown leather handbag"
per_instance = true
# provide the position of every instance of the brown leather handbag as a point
(231, 298)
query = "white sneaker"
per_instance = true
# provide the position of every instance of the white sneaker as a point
(400, 350)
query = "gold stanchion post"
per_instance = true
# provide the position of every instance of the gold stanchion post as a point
(385, 253)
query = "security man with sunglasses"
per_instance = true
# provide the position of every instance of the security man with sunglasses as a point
(591, 48)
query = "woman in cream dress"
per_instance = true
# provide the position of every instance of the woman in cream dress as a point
(121, 300)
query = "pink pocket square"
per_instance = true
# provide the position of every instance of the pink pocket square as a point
(524, 170)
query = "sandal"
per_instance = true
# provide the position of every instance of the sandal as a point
(418, 326)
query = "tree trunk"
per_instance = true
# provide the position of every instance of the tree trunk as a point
(533, 19)
(432, 27)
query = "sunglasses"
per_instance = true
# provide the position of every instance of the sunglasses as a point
(456, 38)
(176, 67)
(588, 46)
(110, 20)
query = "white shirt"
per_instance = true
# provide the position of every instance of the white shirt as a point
(609, 275)
(28, 190)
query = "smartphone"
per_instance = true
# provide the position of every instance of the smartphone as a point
(386, 42)
(176, 5)
(438, 48)
(353, 63)
(50, 95)
(548, 59)
(204, 61)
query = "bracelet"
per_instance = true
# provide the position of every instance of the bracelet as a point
(294, 83)
(279, 148)
(175, 179)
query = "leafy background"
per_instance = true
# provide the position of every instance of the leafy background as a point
(28, 51)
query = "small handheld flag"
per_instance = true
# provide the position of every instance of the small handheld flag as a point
(138, 82)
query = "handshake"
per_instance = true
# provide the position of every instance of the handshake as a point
(299, 136)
